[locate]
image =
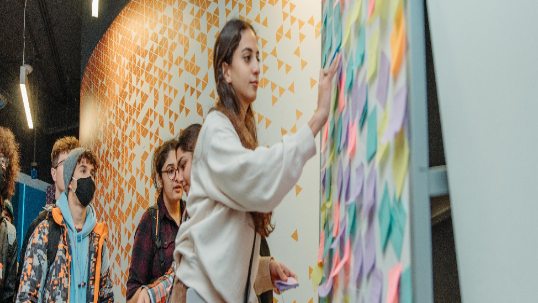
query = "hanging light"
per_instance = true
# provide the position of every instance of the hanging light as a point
(95, 8)
(25, 70)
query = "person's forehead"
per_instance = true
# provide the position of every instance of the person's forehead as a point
(86, 163)
(248, 39)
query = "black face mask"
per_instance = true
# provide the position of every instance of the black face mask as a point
(85, 190)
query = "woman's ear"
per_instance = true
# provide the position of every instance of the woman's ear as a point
(159, 181)
(226, 72)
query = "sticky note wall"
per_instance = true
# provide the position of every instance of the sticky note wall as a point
(364, 246)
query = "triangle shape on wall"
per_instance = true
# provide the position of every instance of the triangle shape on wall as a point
(295, 236)
(274, 100)
(312, 82)
(303, 64)
(267, 123)
(292, 88)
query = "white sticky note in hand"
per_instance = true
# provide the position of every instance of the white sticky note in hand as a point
(283, 286)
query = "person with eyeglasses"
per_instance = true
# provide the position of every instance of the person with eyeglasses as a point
(153, 247)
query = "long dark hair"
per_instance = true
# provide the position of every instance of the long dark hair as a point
(10, 148)
(188, 137)
(228, 103)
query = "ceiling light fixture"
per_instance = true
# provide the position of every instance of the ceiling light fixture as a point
(25, 70)
(95, 8)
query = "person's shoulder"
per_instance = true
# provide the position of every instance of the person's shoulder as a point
(217, 121)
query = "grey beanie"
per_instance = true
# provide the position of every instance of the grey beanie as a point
(70, 164)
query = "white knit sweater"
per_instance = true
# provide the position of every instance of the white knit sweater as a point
(227, 182)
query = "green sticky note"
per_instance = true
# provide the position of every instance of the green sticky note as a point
(352, 218)
(399, 216)
(364, 111)
(372, 55)
(350, 75)
(406, 287)
(328, 239)
(384, 217)
(361, 46)
(337, 24)
(328, 179)
(371, 145)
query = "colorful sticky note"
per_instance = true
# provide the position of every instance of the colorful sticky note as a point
(377, 10)
(358, 185)
(339, 179)
(365, 111)
(382, 148)
(351, 146)
(371, 6)
(357, 259)
(325, 136)
(394, 6)
(352, 17)
(338, 137)
(369, 249)
(336, 218)
(317, 275)
(397, 115)
(325, 288)
(321, 246)
(328, 238)
(328, 183)
(338, 238)
(383, 79)
(376, 286)
(341, 93)
(345, 184)
(400, 161)
(384, 215)
(360, 49)
(406, 289)
(371, 145)
(394, 283)
(397, 42)
(372, 55)
(358, 99)
(399, 217)
(370, 193)
(345, 127)
(345, 258)
(352, 217)
(350, 75)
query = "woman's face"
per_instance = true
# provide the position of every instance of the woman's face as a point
(184, 161)
(168, 179)
(244, 71)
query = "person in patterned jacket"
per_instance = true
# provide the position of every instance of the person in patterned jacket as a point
(80, 271)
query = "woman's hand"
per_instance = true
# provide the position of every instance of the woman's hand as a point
(278, 272)
(324, 96)
(143, 297)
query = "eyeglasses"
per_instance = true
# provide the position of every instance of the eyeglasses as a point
(172, 172)
(4, 160)
(58, 164)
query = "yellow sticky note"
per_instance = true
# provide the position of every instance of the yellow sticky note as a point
(400, 161)
(347, 299)
(317, 275)
(352, 18)
(372, 55)
(382, 148)
(397, 42)
(394, 6)
(377, 10)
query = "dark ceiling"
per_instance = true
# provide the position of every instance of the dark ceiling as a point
(60, 37)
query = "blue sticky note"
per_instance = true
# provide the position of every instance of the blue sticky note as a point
(327, 44)
(361, 46)
(371, 146)
(338, 138)
(351, 217)
(328, 239)
(406, 287)
(345, 127)
(350, 75)
(384, 215)
(399, 216)
(365, 109)
(337, 24)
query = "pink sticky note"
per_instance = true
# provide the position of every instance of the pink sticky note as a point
(325, 135)
(371, 6)
(336, 218)
(345, 258)
(352, 136)
(394, 282)
(325, 289)
(321, 246)
(341, 93)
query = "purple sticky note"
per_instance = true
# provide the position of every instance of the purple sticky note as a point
(383, 80)
(323, 174)
(339, 180)
(369, 194)
(369, 249)
(346, 185)
(345, 126)
(357, 265)
(358, 99)
(341, 231)
(376, 286)
(357, 186)
(325, 288)
(397, 115)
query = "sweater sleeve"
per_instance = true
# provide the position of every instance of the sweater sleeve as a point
(106, 293)
(254, 180)
(141, 257)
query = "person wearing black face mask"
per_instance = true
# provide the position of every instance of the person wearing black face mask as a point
(84, 242)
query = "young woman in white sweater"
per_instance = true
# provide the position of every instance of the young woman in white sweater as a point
(235, 184)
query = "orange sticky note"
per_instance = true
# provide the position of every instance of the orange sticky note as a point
(321, 246)
(336, 218)
(341, 97)
(394, 283)
(397, 42)
(352, 143)
(371, 6)
(325, 135)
